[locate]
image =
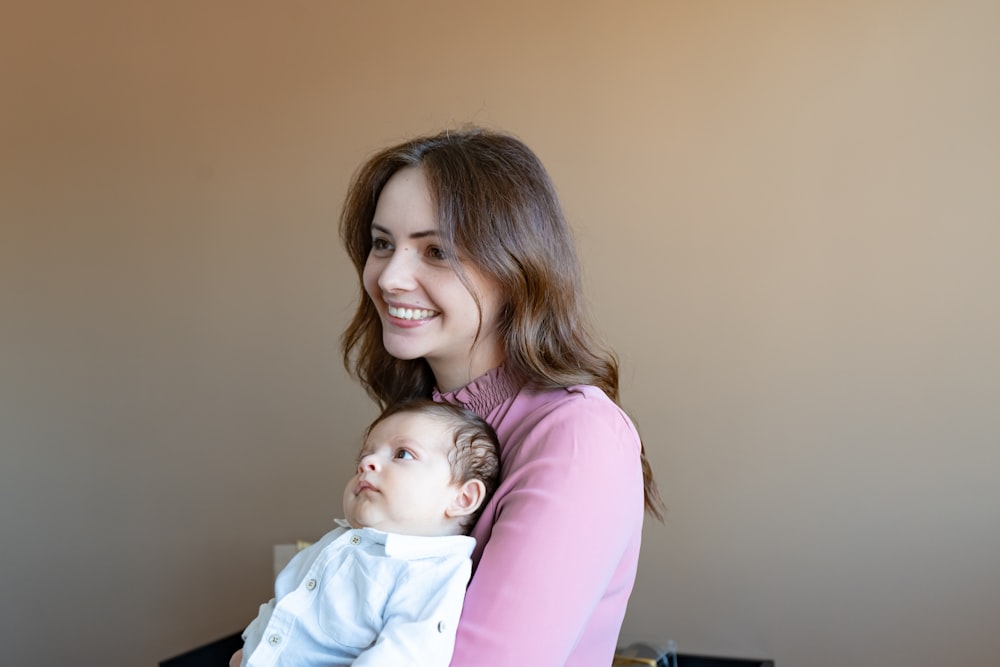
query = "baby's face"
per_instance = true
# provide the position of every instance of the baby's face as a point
(403, 483)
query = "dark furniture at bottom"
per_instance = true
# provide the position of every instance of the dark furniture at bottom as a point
(217, 654)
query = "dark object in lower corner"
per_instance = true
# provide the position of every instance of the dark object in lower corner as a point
(216, 654)
(646, 655)
(687, 660)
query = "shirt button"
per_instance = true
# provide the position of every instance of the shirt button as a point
(441, 626)
(274, 640)
(311, 584)
(355, 539)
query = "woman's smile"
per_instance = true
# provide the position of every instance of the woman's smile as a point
(411, 314)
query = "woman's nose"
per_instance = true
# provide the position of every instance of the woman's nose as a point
(398, 274)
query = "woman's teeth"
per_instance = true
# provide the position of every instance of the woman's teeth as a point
(411, 313)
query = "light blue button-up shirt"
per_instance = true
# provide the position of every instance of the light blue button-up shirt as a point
(364, 597)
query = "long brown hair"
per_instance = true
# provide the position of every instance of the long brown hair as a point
(497, 208)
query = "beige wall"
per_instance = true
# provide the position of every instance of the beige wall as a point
(789, 218)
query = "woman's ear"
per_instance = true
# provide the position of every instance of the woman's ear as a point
(468, 497)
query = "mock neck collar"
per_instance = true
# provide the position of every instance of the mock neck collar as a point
(485, 393)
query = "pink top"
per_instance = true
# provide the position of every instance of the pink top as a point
(558, 544)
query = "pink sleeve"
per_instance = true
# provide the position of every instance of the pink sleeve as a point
(560, 561)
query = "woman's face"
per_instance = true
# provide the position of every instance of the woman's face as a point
(425, 309)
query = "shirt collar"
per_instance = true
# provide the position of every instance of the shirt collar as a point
(416, 546)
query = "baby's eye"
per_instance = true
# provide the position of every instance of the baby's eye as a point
(404, 454)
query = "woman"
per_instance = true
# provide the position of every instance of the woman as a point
(471, 294)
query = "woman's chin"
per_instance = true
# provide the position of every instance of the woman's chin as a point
(401, 352)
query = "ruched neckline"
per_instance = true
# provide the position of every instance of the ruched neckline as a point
(484, 394)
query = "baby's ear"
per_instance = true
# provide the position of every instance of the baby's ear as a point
(468, 497)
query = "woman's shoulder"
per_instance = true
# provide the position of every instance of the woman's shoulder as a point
(579, 412)
(569, 401)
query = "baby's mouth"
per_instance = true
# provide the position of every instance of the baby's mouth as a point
(362, 486)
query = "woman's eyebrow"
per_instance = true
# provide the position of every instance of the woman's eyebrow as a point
(414, 235)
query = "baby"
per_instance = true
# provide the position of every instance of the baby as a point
(386, 586)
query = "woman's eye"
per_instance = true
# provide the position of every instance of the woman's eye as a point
(379, 244)
(404, 454)
(435, 252)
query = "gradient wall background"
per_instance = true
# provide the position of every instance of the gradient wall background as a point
(789, 219)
